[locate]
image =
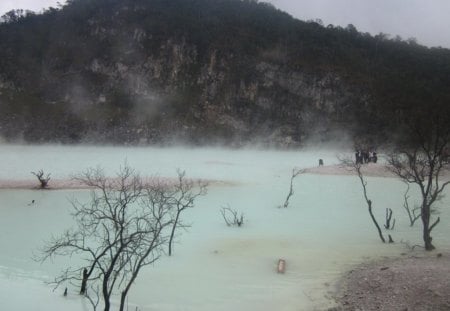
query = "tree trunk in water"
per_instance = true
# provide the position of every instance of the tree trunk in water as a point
(106, 295)
(123, 296)
(84, 282)
(172, 234)
(390, 239)
(426, 228)
(107, 305)
(427, 239)
(369, 203)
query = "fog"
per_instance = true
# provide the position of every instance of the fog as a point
(325, 231)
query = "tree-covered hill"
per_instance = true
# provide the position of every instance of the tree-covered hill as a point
(201, 71)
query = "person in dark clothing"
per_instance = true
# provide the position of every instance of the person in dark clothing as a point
(365, 156)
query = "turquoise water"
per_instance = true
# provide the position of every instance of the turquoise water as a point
(325, 231)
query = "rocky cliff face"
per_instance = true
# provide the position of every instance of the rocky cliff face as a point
(202, 72)
(172, 95)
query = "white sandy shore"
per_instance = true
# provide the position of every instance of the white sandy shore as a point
(370, 169)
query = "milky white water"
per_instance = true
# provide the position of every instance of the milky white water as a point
(323, 233)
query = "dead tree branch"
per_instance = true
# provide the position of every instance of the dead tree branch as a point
(123, 228)
(388, 225)
(42, 179)
(295, 173)
(356, 167)
(421, 160)
(181, 197)
(411, 213)
(93, 299)
(231, 218)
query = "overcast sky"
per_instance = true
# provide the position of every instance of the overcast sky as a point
(426, 20)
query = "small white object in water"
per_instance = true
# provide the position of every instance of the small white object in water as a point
(281, 266)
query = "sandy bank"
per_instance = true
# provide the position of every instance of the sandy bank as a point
(419, 282)
(370, 169)
(66, 184)
(55, 184)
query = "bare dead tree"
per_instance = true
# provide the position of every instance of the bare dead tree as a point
(181, 197)
(231, 218)
(388, 225)
(356, 167)
(42, 179)
(412, 214)
(122, 229)
(295, 173)
(421, 161)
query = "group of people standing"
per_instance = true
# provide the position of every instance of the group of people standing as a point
(363, 156)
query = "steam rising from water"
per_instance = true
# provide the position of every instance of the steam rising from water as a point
(325, 231)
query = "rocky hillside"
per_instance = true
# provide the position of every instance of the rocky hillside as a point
(206, 71)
